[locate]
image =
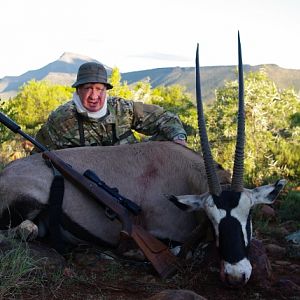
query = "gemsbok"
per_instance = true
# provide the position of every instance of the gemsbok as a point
(146, 173)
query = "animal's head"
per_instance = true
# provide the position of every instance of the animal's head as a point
(229, 210)
(229, 213)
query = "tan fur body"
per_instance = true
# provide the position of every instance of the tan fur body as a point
(144, 173)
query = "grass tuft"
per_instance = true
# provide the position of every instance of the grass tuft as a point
(16, 268)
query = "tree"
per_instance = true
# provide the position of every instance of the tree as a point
(272, 128)
(175, 99)
(34, 102)
(5, 134)
(30, 109)
(120, 89)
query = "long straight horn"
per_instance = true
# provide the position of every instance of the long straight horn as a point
(212, 179)
(238, 168)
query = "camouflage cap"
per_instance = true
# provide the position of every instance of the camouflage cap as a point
(92, 72)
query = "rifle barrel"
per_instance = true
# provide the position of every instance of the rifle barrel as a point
(14, 127)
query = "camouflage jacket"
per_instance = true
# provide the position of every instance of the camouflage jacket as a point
(66, 128)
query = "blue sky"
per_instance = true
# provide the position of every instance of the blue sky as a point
(137, 34)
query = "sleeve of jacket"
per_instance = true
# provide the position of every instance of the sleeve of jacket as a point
(56, 133)
(154, 120)
(43, 136)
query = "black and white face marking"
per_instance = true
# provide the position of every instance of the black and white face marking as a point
(230, 217)
(233, 228)
(229, 214)
(234, 234)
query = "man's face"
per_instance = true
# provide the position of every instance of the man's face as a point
(92, 96)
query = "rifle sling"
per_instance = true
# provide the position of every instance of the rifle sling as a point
(55, 211)
(80, 129)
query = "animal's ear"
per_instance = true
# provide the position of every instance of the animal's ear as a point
(268, 193)
(189, 202)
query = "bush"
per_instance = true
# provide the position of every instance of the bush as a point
(290, 207)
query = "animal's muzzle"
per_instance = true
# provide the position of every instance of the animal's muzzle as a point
(234, 281)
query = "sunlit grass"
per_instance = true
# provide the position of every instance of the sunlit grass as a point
(17, 268)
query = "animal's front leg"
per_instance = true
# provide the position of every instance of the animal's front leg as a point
(26, 231)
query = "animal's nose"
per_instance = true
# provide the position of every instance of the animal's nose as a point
(237, 274)
(234, 281)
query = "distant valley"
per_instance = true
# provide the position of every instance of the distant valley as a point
(63, 71)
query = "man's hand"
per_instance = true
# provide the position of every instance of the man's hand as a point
(180, 139)
(181, 142)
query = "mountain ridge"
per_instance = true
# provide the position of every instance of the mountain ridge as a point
(63, 71)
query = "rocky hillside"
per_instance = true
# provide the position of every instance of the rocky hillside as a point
(212, 77)
(63, 71)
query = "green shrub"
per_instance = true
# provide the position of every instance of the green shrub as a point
(290, 207)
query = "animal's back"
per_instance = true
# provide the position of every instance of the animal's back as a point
(143, 172)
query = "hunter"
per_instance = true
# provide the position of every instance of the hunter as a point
(92, 118)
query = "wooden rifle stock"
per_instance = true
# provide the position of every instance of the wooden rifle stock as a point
(156, 252)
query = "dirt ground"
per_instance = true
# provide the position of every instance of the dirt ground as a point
(91, 274)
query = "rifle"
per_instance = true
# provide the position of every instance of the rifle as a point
(155, 251)
(127, 203)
